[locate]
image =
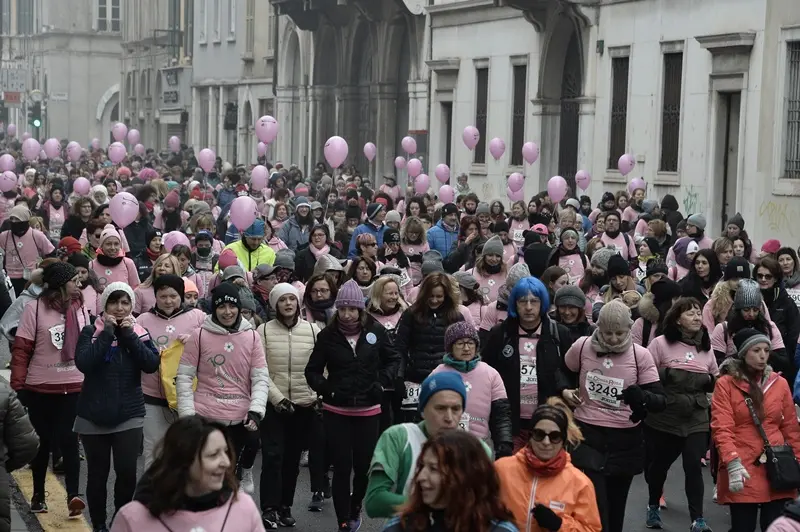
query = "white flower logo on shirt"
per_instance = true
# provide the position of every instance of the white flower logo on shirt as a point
(689, 356)
(108, 272)
(528, 346)
(491, 282)
(468, 385)
(170, 329)
(410, 251)
(607, 363)
(19, 244)
(228, 347)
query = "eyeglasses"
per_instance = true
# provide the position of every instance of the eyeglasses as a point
(554, 437)
(461, 344)
(320, 291)
(764, 276)
(372, 245)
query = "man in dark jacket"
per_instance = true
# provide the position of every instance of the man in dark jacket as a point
(136, 232)
(20, 445)
(671, 214)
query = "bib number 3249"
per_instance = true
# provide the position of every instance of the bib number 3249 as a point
(604, 389)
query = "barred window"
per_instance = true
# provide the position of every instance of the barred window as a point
(793, 111)
(518, 114)
(481, 111)
(671, 112)
(619, 109)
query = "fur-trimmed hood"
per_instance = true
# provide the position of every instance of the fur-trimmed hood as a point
(647, 308)
(734, 367)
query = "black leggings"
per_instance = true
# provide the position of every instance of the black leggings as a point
(662, 451)
(99, 448)
(612, 497)
(245, 445)
(53, 415)
(744, 516)
(351, 440)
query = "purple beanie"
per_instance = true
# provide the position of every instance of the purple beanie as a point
(350, 295)
(458, 331)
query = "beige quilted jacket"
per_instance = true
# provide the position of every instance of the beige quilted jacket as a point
(287, 353)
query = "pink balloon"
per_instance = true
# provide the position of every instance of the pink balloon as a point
(261, 149)
(25, 136)
(124, 208)
(414, 167)
(31, 149)
(422, 183)
(139, 150)
(442, 173)
(175, 238)
(206, 159)
(134, 136)
(370, 150)
(244, 212)
(52, 148)
(258, 177)
(267, 129)
(8, 181)
(116, 153)
(82, 186)
(557, 188)
(447, 194)
(471, 137)
(582, 179)
(95, 144)
(174, 144)
(516, 182)
(335, 151)
(42, 155)
(7, 162)
(11, 130)
(530, 152)
(637, 183)
(519, 195)
(626, 163)
(119, 131)
(74, 151)
(409, 145)
(497, 148)
(399, 163)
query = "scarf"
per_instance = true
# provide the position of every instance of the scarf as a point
(261, 291)
(71, 328)
(349, 328)
(326, 249)
(540, 468)
(105, 260)
(320, 310)
(793, 280)
(695, 339)
(493, 270)
(462, 366)
(152, 255)
(600, 346)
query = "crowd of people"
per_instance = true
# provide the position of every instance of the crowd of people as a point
(458, 366)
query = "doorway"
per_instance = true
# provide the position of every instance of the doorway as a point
(447, 121)
(726, 156)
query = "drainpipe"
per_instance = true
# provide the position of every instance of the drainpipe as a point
(429, 57)
(275, 56)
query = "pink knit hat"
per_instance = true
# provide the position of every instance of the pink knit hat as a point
(108, 232)
(350, 295)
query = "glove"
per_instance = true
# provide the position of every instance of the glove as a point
(737, 474)
(502, 450)
(633, 396)
(285, 407)
(546, 518)
(255, 418)
(318, 405)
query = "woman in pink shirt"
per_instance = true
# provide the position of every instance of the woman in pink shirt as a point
(569, 256)
(226, 357)
(414, 244)
(471, 296)
(518, 223)
(490, 271)
(618, 385)
(24, 247)
(43, 372)
(497, 311)
(191, 485)
(87, 280)
(111, 265)
(145, 297)
(54, 212)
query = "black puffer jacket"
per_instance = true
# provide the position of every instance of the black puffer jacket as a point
(420, 345)
(784, 313)
(19, 446)
(354, 378)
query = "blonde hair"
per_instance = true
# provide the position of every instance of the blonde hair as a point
(376, 291)
(206, 217)
(574, 434)
(36, 220)
(414, 225)
(721, 300)
(176, 268)
(160, 187)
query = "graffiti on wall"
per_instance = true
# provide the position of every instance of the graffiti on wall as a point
(778, 216)
(691, 200)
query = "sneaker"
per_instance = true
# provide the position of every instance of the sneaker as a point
(270, 519)
(662, 503)
(317, 502)
(653, 517)
(285, 517)
(38, 504)
(76, 506)
(714, 498)
(699, 525)
(246, 483)
(304, 459)
(703, 462)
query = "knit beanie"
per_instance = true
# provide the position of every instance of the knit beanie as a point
(393, 216)
(483, 208)
(110, 289)
(697, 220)
(169, 280)
(79, 260)
(58, 274)
(574, 203)
(155, 233)
(664, 291)
(570, 296)
(438, 382)
(353, 212)
(189, 287)
(748, 295)
(284, 259)
(747, 338)
(70, 244)
(256, 229)
(227, 258)
(280, 290)
(247, 299)
(614, 316)
(432, 255)
(493, 246)
(601, 257)
(568, 231)
(554, 414)
(617, 266)
(608, 196)
(224, 293)
(649, 205)
(431, 266)
(518, 271)
(350, 295)
(500, 227)
(109, 231)
(653, 244)
(373, 209)
(391, 236)
(655, 266)
(737, 220)
(771, 246)
(466, 280)
(737, 268)
(172, 200)
(458, 331)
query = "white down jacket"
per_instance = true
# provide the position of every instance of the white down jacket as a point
(288, 351)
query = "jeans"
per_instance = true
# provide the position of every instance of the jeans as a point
(351, 440)
(99, 448)
(663, 449)
(156, 422)
(283, 438)
(245, 447)
(612, 496)
(745, 515)
(53, 415)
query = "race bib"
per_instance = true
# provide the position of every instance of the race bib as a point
(412, 394)
(463, 423)
(527, 373)
(794, 295)
(604, 389)
(57, 335)
(404, 278)
(517, 235)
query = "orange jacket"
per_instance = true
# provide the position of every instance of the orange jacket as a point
(736, 436)
(570, 494)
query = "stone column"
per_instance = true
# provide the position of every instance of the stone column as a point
(212, 120)
(223, 146)
(384, 104)
(285, 116)
(545, 126)
(194, 124)
(586, 138)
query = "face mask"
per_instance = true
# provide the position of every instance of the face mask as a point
(203, 252)
(20, 228)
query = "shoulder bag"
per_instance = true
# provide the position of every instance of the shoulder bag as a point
(783, 471)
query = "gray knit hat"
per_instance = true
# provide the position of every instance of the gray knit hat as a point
(570, 296)
(493, 246)
(747, 338)
(601, 257)
(615, 315)
(432, 266)
(697, 220)
(748, 295)
(518, 271)
(482, 208)
(467, 280)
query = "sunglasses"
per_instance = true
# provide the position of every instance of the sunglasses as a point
(765, 276)
(554, 437)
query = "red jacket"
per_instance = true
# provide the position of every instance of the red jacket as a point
(736, 436)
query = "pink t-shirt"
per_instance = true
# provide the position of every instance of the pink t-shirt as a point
(46, 330)
(24, 253)
(477, 310)
(124, 272)
(492, 316)
(516, 230)
(510, 254)
(629, 214)
(90, 299)
(163, 332)
(57, 217)
(718, 342)
(467, 315)
(682, 356)
(484, 385)
(602, 379)
(389, 322)
(528, 377)
(490, 284)
(415, 268)
(638, 330)
(573, 265)
(145, 299)
(627, 251)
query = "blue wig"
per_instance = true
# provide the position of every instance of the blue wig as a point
(525, 287)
